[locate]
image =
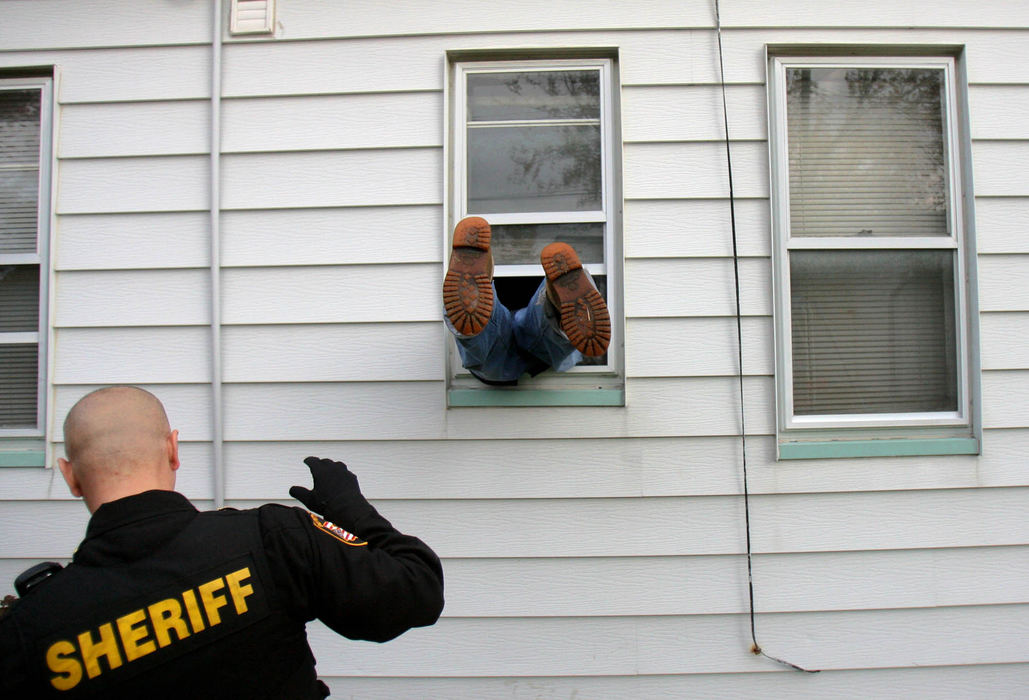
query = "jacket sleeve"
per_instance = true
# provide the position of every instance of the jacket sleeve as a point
(374, 586)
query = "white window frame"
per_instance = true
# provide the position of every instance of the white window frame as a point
(608, 214)
(885, 425)
(42, 255)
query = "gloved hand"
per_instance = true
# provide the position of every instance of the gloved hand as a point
(336, 493)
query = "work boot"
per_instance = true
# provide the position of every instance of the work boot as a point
(468, 286)
(584, 316)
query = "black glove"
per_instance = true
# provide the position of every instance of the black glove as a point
(336, 493)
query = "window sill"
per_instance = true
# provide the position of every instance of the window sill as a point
(835, 449)
(22, 458)
(501, 397)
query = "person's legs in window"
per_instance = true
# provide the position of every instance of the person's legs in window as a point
(482, 326)
(567, 317)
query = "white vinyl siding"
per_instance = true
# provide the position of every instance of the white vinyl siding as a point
(25, 128)
(869, 244)
(594, 552)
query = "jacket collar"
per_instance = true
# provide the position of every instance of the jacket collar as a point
(153, 515)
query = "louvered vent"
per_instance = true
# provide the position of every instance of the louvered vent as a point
(252, 17)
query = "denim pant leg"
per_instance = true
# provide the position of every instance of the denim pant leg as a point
(537, 329)
(492, 355)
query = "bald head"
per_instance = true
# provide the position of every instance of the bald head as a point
(118, 442)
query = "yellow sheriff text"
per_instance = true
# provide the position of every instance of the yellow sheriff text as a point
(150, 628)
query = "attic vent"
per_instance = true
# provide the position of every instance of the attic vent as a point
(252, 17)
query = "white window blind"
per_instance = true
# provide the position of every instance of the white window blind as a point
(866, 153)
(18, 371)
(873, 332)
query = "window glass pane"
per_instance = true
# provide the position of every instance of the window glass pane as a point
(19, 169)
(19, 190)
(534, 95)
(534, 168)
(19, 126)
(866, 152)
(873, 331)
(522, 244)
(19, 298)
(19, 383)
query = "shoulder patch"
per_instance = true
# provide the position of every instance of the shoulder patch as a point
(337, 532)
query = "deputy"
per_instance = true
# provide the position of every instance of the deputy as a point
(164, 601)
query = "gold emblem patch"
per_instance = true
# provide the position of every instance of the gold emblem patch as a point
(337, 532)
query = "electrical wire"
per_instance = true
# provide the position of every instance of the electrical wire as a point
(755, 647)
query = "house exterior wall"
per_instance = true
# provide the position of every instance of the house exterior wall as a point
(589, 551)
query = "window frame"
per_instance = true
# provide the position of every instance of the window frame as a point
(944, 432)
(581, 385)
(41, 258)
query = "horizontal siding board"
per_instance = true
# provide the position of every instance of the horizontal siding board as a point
(369, 18)
(993, 111)
(188, 406)
(133, 298)
(670, 645)
(124, 74)
(332, 179)
(668, 57)
(696, 287)
(133, 355)
(1003, 282)
(150, 184)
(699, 169)
(1005, 399)
(333, 67)
(404, 64)
(1001, 168)
(345, 353)
(688, 228)
(996, 332)
(134, 129)
(331, 236)
(880, 13)
(616, 467)
(588, 528)
(705, 585)
(332, 294)
(409, 410)
(715, 524)
(93, 23)
(133, 241)
(692, 347)
(302, 123)
(1004, 681)
(29, 483)
(998, 224)
(693, 113)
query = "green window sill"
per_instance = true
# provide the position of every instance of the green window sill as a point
(836, 449)
(497, 396)
(23, 458)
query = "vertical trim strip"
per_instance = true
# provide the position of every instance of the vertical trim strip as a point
(218, 462)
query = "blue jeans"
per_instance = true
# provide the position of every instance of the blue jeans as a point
(529, 340)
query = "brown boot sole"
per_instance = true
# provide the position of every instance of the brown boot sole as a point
(584, 316)
(467, 287)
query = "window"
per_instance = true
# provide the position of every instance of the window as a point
(533, 153)
(872, 311)
(24, 235)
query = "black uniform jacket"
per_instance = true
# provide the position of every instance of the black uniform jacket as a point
(164, 601)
